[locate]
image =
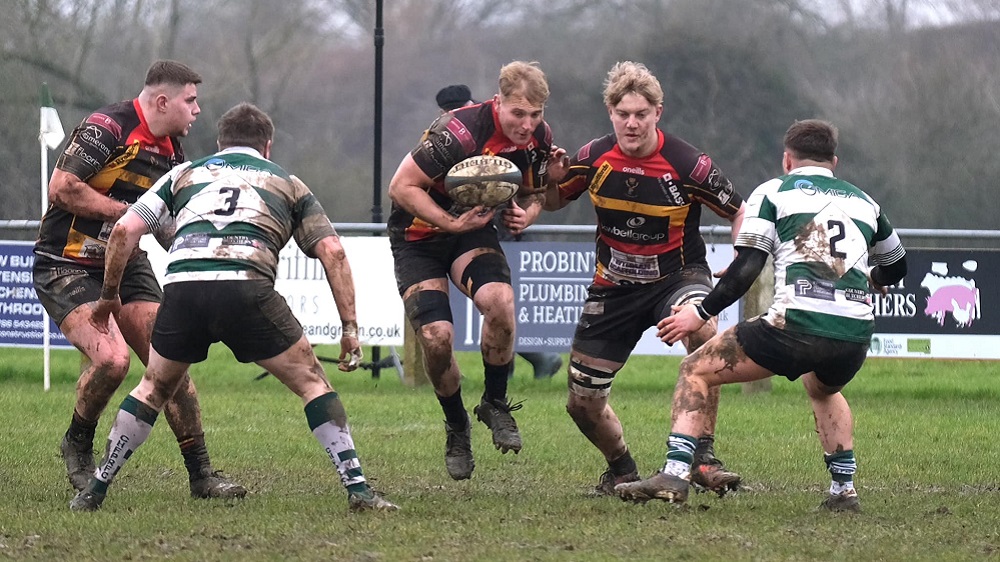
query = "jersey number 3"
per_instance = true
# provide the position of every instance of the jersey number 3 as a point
(230, 202)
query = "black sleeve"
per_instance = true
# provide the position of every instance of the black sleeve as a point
(736, 282)
(886, 275)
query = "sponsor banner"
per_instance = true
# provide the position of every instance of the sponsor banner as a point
(953, 292)
(947, 306)
(934, 345)
(21, 315)
(550, 281)
(302, 281)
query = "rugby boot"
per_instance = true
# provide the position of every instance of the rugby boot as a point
(711, 475)
(495, 414)
(90, 497)
(208, 483)
(606, 487)
(458, 451)
(660, 486)
(369, 500)
(844, 501)
(78, 454)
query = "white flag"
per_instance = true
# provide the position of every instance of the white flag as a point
(51, 131)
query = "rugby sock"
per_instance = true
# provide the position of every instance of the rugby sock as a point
(454, 409)
(195, 454)
(328, 423)
(496, 380)
(131, 429)
(680, 455)
(842, 466)
(81, 429)
(705, 451)
(623, 465)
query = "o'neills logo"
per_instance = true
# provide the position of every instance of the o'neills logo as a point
(110, 467)
(635, 170)
(633, 235)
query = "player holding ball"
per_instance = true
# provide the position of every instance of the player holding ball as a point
(435, 238)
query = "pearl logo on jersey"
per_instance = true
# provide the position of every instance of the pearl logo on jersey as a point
(483, 180)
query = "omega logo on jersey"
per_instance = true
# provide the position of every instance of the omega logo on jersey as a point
(805, 186)
(635, 222)
(636, 170)
(215, 164)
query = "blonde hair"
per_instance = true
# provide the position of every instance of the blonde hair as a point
(525, 78)
(627, 77)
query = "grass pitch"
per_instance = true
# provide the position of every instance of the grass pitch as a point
(925, 436)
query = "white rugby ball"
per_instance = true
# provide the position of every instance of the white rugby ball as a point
(483, 180)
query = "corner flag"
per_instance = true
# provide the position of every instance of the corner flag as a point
(51, 130)
(50, 134)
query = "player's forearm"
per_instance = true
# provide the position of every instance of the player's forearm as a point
(737, 222)
(116, 256)
(67, 192)
(887, 275)
(338, 274)
(737, 281)
(532, 205)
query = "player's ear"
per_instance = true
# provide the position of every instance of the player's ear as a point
(786, 162)
(267, 150)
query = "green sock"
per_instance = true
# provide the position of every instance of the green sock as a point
(680, 454)
(131, 429)
(328, 422)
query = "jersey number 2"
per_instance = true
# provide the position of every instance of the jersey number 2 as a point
(841, 234)
(230, 202)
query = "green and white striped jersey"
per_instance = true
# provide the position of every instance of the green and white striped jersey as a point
(231, 213)
(819, 230)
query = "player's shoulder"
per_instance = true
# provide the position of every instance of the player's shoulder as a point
(117, 118)
(590, 152)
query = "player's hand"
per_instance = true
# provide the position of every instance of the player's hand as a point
(682, 322)
(350, 353)
(558, 164)
(876, 288)
(515, 219)
(473, 219)
(103, 310)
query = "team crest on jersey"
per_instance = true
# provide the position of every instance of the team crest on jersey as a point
(632, 187)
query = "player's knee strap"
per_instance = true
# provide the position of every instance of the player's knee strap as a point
(424, 307)
(584, 379)
(488, 267)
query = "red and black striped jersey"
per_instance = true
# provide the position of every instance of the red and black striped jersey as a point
(113, 151)
(648, 209)
(463, 133)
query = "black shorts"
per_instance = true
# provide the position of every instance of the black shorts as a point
(250, 317)
(62, 286)
(418, 261)
(614, 318)
(792, 354)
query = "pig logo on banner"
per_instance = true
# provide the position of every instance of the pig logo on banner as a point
(953, 295)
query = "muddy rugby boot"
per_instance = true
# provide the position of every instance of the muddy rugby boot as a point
(458, 451)
(844, 501)
(496, 416)
(660, 486)
(78, 454)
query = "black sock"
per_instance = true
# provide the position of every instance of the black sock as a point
(454, 409)
(195, 454)
(496, 381)
(81, 429)
(623, 465)
(704, 452)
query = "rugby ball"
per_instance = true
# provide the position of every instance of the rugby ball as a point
(483, 180)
